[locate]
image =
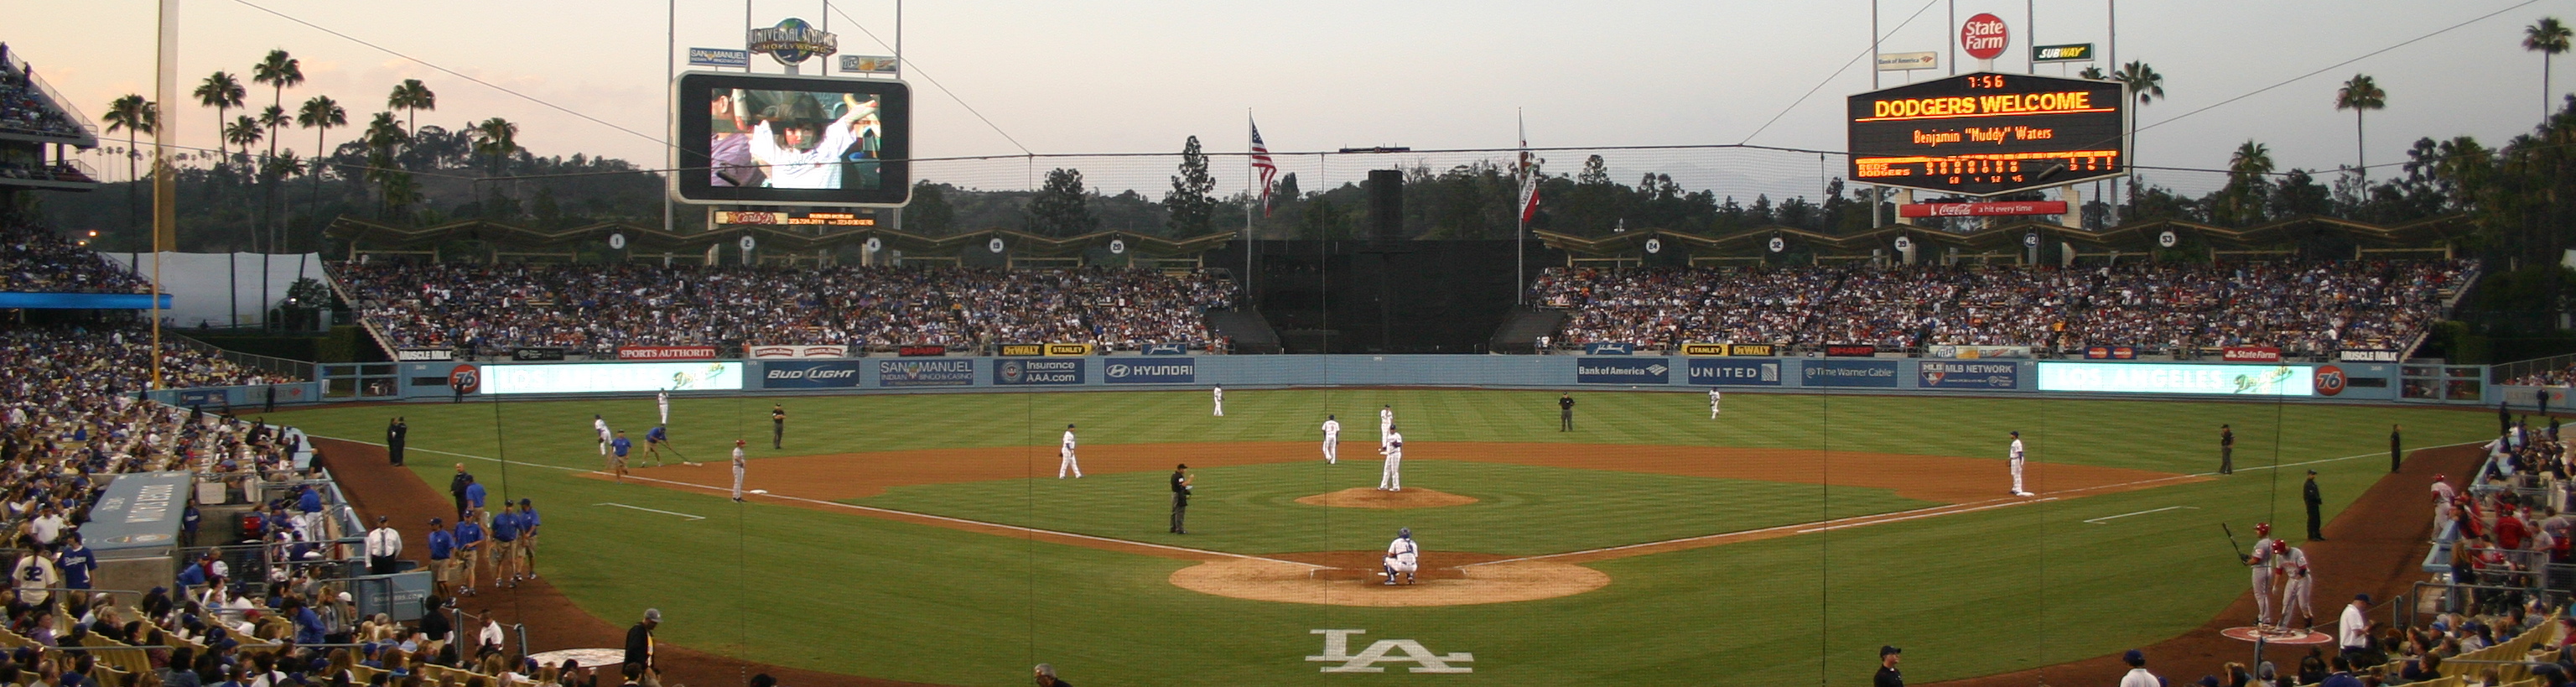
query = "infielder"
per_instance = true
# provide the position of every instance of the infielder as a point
(1332, 440)
(2296, 585)
(1713, 397)
(662, 400)
(1391, 478)
(601, 425)
(1402, 556)
(2262, 561)
(1066, 455)
(1385, 425)
(737, 470)
(1220, 401)
(2016, 465)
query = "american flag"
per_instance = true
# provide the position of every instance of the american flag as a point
(1262, 165)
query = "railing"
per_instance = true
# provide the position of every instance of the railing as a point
(47, 90)
(2504, 373)
(300, 370)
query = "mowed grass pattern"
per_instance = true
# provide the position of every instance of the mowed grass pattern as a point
(1521, 510)
(1968, 594)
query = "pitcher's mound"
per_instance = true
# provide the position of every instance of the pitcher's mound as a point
(1356, 497)
(1351, 578)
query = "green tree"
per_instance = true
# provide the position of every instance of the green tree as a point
(1191, 203)
(2249, 184)
(2549, 37)
(411, 96)
(320, 114)
(222, 91)
(1061, 208)
(243, 132)
(2149, 86)
(132, 115)
(382, 136)
(279, 71)
(2361, 94)
(496, 139)
(1321, 220)
(929, 211)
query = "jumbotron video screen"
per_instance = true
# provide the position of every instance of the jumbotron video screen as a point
(755, 139)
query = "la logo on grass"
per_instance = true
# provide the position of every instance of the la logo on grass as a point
(1337, 649)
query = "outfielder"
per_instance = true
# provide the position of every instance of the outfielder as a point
(2016, 465)
(1332, 440)
(1713, 397)
(1065, 454)
(737, 469)
(662, 400)
(1220, 401)
(1391, 478)
(601, 425)
(1402, 556)
(2262, 561)
(2296, 585)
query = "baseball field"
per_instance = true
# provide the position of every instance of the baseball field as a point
(926, 538)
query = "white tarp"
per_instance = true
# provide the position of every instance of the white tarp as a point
(220, 288)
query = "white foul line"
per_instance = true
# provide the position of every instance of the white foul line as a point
(649, 510)
(2097, 521)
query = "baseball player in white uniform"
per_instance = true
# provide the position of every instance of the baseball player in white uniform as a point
(1332, 440)
(1713, 398)
(662, 400)
(1390, 478)
(737, 469)
(1385, 425)
(2262, 561)
(1220, 401)
(601, 424)
(2296, 584)
(2016, 465)
(1402, 556)
(1066, 454)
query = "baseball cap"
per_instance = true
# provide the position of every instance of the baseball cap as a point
(1890, 649)
(2134, 657)
(2364, 598)
(653, 614)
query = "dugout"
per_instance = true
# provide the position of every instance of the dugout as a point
(134, 529)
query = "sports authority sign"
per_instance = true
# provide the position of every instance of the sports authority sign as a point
(2002, 209)
(666, 353)
(1984, 36)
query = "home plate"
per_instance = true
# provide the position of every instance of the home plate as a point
(586, 657)
(2248, 634)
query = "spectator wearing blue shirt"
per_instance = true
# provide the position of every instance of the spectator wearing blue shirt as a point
(505, 544)
(309, 507)
(469, 551)
(189, 520)
(442, 557)
(308, 625)
(528, 522)
(77, 562)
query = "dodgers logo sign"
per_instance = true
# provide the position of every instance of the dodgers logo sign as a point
(1622, 371)
(1165, 349)
(1160, 371)
(1948, 375)
(1037, 372)
(1749, 372)
(836, 374)
(1337, 650)
(933, 372)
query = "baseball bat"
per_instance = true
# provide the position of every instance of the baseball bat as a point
(2231, 541)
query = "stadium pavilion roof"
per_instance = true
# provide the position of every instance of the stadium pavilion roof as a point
(495, 240)
(2004, 240)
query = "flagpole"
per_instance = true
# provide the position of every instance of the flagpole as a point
(1249, 178)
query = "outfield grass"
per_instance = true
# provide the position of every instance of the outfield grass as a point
(1967, 594)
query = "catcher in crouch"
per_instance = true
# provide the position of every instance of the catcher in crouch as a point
(1402, 556)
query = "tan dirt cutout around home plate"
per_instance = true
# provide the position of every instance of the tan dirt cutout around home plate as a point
(1352, 578)
(1370, 497)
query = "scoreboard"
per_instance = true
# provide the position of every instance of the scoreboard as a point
(1986, 134)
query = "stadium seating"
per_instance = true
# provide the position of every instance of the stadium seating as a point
(489, 309)
(36, 259)
(2304, 309)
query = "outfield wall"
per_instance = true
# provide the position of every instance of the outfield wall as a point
(2340, 382)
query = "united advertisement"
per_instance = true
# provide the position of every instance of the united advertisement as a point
(1161, 370)
(1622, 371)
(1747, 372)
(1037, 372)
(1949, 375)
(811, 374)
(932, 372)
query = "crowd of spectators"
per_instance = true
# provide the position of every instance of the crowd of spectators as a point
(490, 309)
(2560, 377)
(34, 258)
(23, 107)
(2304, 309)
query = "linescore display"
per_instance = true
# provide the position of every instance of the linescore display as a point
(1986, 134)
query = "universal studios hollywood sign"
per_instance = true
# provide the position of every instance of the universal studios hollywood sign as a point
(793, 41)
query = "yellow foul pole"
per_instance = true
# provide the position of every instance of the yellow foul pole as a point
(165, 184)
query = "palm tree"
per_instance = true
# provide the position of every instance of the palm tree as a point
(320, 114)
(2548, 37)
(2094, 73)
(381, 136)
(411, 96)
(278, 71)
(222, 92)
(498, 139)
(132, 115)
(272, 118)
(2249, 173)
(2359, 95)
(2149, 86)
(243, 132)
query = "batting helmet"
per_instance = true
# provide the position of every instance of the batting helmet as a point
(2262, 528)
(1404, 532)
(2280, 546)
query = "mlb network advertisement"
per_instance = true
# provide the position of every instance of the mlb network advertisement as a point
(578, 378)
(2152, 378)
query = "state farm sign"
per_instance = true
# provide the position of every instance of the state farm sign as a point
(1983, 36)
(2250, 354)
